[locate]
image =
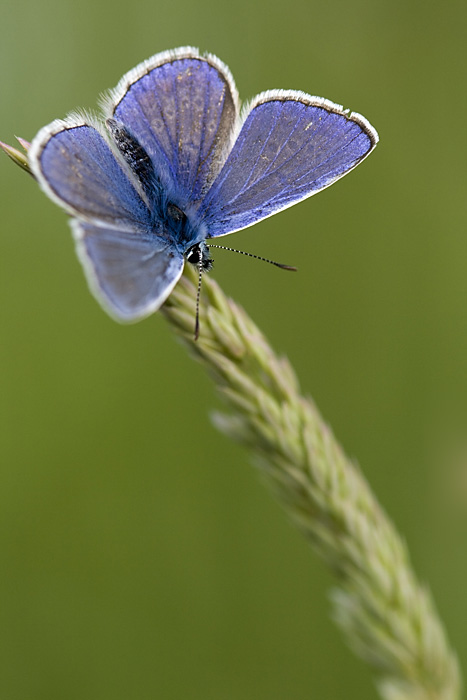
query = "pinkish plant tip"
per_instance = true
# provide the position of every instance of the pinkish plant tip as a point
(25, 144)
(17, 156)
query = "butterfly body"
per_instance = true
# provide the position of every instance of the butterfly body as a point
(175, 164)
(167, 218)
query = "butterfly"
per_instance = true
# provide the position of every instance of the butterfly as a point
(174, 163)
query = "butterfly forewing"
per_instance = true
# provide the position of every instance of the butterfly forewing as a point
(130, 274)
(287, 150)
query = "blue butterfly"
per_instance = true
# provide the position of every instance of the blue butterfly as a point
(177, 164)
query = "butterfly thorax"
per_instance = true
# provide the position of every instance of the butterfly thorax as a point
(169, 220)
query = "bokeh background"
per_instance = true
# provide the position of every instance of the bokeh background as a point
(141, 556)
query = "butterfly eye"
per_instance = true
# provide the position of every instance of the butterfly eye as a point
(175, 213)
(198, 254)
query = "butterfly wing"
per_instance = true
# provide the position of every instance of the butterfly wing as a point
(182, 108)
(290, 146)
(130, 275)
(130, 270)
(77, 169)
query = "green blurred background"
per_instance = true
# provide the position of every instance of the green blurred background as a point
(141, 556)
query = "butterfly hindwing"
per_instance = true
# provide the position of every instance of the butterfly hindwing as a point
(182, 109)
(75, 166)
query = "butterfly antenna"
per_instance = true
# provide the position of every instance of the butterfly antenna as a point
(198, 293)
(250, 255)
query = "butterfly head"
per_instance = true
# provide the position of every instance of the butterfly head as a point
(199, 255)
